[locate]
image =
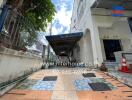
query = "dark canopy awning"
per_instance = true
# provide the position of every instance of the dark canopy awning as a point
(127, 4)
(64, 43)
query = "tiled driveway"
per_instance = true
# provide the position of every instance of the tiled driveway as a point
(70, 85)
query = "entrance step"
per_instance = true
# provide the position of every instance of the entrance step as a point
(111, 65)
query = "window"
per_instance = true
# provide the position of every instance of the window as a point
(81, 8)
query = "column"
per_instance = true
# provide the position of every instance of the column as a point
(96, 45)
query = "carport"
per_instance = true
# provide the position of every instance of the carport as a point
(64, 43)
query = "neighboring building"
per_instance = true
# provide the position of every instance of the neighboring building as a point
(37, 48)
(103, 34)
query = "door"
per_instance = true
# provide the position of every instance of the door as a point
(110, 47)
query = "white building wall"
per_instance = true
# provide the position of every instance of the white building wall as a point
(76, 54)
(101, 27)
(86, 53)
(86, 22)
(103, 49)
(114, 29)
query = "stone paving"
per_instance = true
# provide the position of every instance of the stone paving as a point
(70, 85)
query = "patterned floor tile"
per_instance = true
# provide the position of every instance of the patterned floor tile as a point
(102, 80)
(27, 84)
(99, 86)
(44, 85)
(82, 84)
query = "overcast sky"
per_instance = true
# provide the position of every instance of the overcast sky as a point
(62, 19)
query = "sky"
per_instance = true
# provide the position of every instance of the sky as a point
(62, 18)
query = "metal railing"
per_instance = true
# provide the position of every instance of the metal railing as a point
(16, 30)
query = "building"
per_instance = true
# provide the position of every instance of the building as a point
(103, 34)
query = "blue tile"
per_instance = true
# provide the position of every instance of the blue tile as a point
(82, 84)
(44, 85)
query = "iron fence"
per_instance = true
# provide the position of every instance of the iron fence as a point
(16, 30)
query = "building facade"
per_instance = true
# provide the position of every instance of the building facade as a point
(103, 34)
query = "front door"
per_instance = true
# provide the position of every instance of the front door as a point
(110, 47)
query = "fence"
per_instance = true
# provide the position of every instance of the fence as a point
(17, 31)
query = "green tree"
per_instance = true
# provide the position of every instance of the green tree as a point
(37, 14)
(40, 12)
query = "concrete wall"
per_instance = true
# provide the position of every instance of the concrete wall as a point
(114, 28)
(86, 53)
(76, 53)
(14, 64)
